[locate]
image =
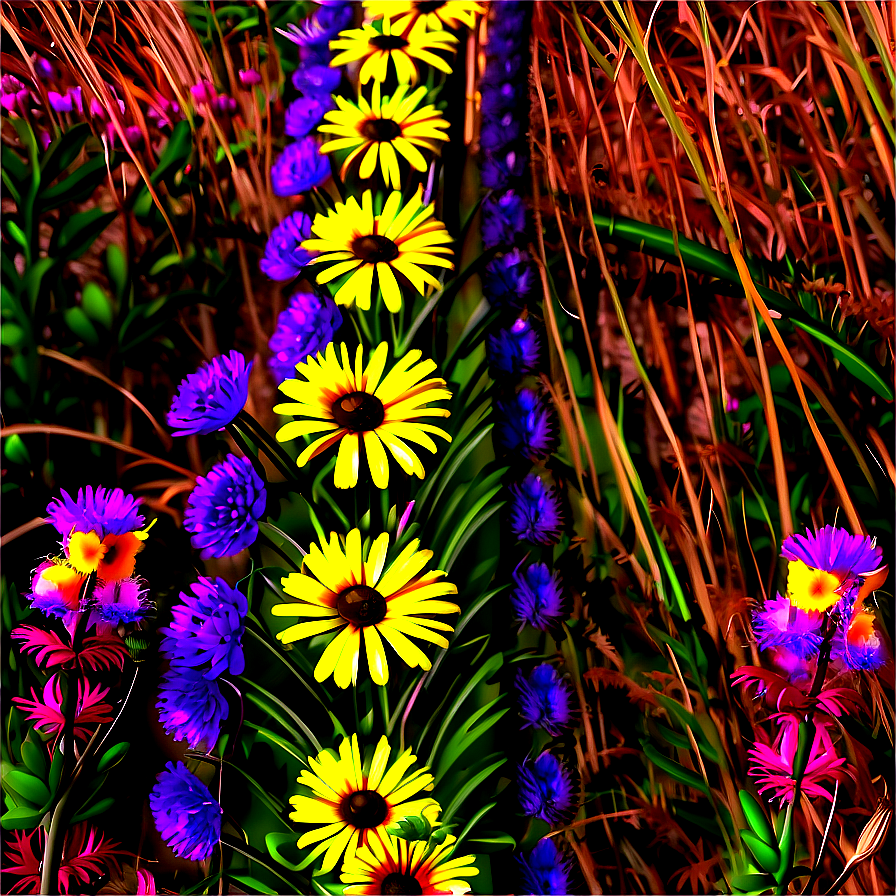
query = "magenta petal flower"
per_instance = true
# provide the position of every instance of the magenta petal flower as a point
(773, 766)
(49, 649)
(46, 711)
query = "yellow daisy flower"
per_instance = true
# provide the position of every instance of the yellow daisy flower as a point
(388, 864)
(350, 406)
(382, 128)
(353, 798)
(402, 239)
(811, 589)
(404, 48)
(367, 601)
(437, 14)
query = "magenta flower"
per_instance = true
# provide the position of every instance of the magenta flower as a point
(773, 766)
(47, 715)
(249, 77)
(97, 651)
(86, 857)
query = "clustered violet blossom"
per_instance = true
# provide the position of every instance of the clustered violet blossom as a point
(306, 327)
(185, 813)
(209, 399)
(299, 167)
(207, 629)
(509, 280)
(537, 597)
(545, 870)
(224, 508)
(526, 425)
(546, 700)
(514, 352)
(546, 789)
(191, 707)
(535, 512)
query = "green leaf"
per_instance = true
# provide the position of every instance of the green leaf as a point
(80, 183)
(415, 827)
(756, 817)
(112, 756)
(79, 323)
(78, 233)
(34, 756)
(55, 771)
(26, 785)
(753, 883)
(96, 809)
(17, 234)
(675, 769)
(475, 782)
(767, 857)
(32, 279)
(63, 151)
(117, 268)
(467, 735)
(14, 449)
(97, 305)
(18, 817)
(593, 52)
(11, 334)
(252, 883)
(485, 671)
(176, 153)
(274, 843)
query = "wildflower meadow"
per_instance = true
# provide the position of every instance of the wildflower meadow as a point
(447, 447)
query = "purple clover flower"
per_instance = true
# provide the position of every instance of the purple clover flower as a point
(284, 256)
(535, 513)
(537, 598)
(209, 399)
(509, 280)
(514, 353)
(501, 169)
(185, 813)
(106, 512)
(545, 700)
(207, 629)
(224, 508)
(299, 167)
(191, 707)
(304, 113)
(526, 425)
(70, 101)
(780, 624)
(313, 80)
(305, 328)
(545, 870)
(546, 789)
(503, 219)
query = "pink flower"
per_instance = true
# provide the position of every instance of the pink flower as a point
(97, 651)
(122, 601)
(773, 765)
(146, 884)
(47, 713)
(86, 855)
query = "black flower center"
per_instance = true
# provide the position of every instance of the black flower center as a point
(374, 248)
(361, 605)
(382, 130)
(364, 809)
(396, 884)
(388, 42)
(358, 411)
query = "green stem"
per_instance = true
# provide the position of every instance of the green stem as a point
(805, 736)
(274, 451)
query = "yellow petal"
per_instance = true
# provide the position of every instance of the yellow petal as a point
(376, 559)
(330, 657)
(309, 629)
(376, 459)
(346, 671)
(389, 287)
(376, 655)
(346, 474)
